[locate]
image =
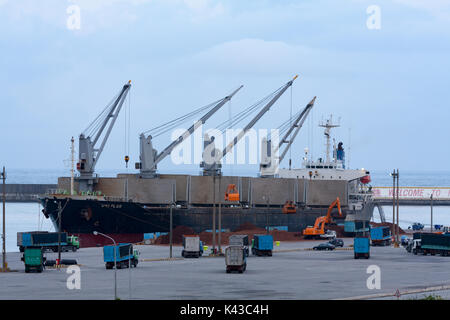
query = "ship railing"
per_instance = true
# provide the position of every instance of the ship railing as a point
(57, 192)
(117, 199)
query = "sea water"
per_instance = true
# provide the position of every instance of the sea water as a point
(28, 216)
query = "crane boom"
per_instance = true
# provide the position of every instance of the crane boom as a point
(212, 169)
(149, 157)
(267, 166)
(298, 125)
(88, 153)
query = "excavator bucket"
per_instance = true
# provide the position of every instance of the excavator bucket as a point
(232, 193)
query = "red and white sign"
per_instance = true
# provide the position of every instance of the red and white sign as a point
(416, 193)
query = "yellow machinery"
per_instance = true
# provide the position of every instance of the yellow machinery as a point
(319, 226)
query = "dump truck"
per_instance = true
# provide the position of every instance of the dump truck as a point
(240, 240)
(192, 246)
(34, 259)
(262, 245)
(361, 247)
(431, 243)
(126, 256)
(235, 259)
(380, 236)
(48, 241)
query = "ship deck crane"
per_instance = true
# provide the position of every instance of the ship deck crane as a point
(269, 162)
(211, 164)
(149, 156)
(92, 137)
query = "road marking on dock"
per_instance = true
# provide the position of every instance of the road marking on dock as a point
(309, 249)
(160, 259)
(398, 293)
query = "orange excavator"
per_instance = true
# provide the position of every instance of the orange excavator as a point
(319, 226)
(232, 193)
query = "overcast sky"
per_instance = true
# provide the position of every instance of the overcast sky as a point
(389, 86)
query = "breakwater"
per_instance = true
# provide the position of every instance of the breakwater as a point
(25, 192)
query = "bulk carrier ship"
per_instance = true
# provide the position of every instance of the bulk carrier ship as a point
(130, 205)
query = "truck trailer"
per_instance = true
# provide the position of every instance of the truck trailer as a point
(34, 259)
(192, 246)
(431, 243)
(126, 256)
(240, 240)
(380, 236)
(235, 259)
(361, 247)
(262, 245)
(48, 241)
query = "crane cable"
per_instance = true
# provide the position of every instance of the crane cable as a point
(99, 120)
(290, 136)
(127, 130)
(165, 127)
(246, 112)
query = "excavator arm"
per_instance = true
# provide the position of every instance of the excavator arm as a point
(319, 225)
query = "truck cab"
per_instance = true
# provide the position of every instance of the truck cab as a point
(416, 246)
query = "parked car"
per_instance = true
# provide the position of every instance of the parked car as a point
(337, 242)
(324, 246)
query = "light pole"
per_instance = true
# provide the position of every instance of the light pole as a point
(431, 203)
(394, 175)
(171, 230)
(4, 222)
(59, 234)
(130, 249)
(96, 233)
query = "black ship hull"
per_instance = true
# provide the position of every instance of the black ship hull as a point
(129, 221)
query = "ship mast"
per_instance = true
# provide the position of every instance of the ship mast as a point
(72, 167)
(328, 125)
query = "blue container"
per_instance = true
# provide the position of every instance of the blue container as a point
(361, 245)
(263, 242)
(148, 236)
(380, 233)
(349, 226)
(122, 252)
(280, 228)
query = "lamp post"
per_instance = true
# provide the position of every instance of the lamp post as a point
(96, 233)
(130, 251)
(431, 203)
(4, 222)
(394, 175)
